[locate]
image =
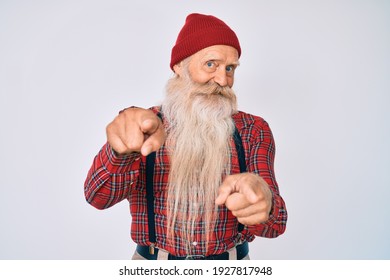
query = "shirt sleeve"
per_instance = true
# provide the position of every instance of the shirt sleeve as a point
(261, 162)
(110, 177)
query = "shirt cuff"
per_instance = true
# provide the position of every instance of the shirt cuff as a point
(115, 163)
(274, 215)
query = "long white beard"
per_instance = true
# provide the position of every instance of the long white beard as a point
(200, 128)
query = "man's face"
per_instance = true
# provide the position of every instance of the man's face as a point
(212, 64)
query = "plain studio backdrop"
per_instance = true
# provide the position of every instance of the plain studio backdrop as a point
(317, 71)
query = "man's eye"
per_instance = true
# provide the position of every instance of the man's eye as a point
(210, 64)
(229, 68)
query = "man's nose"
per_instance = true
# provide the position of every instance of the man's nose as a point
(220, 77)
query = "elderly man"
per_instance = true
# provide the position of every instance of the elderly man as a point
(198, 173)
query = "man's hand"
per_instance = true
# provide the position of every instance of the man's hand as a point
(136, 130)
(248, 196)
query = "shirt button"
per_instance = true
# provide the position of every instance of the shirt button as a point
(194, 243)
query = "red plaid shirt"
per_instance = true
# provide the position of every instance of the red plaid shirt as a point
(112, 179)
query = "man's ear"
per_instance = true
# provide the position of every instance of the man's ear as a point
(178, 68)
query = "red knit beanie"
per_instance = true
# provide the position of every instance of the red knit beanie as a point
(199, 32)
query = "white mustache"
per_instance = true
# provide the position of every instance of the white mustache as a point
(212, 89)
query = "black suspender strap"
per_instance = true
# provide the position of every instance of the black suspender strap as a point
(149, 170)
(241, 160)
(240, 150)
(150, 159)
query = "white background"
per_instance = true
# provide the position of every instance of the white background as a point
(317, 71)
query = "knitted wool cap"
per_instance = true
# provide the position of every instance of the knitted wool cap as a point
(199, 32)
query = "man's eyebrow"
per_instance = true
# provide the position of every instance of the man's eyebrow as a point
(215, 58)
(235, 64)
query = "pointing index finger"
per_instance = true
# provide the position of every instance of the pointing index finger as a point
(154, 133)
(227, 188)
(149, 124)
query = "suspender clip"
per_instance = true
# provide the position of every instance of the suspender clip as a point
(238, 240)
(151, 248)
